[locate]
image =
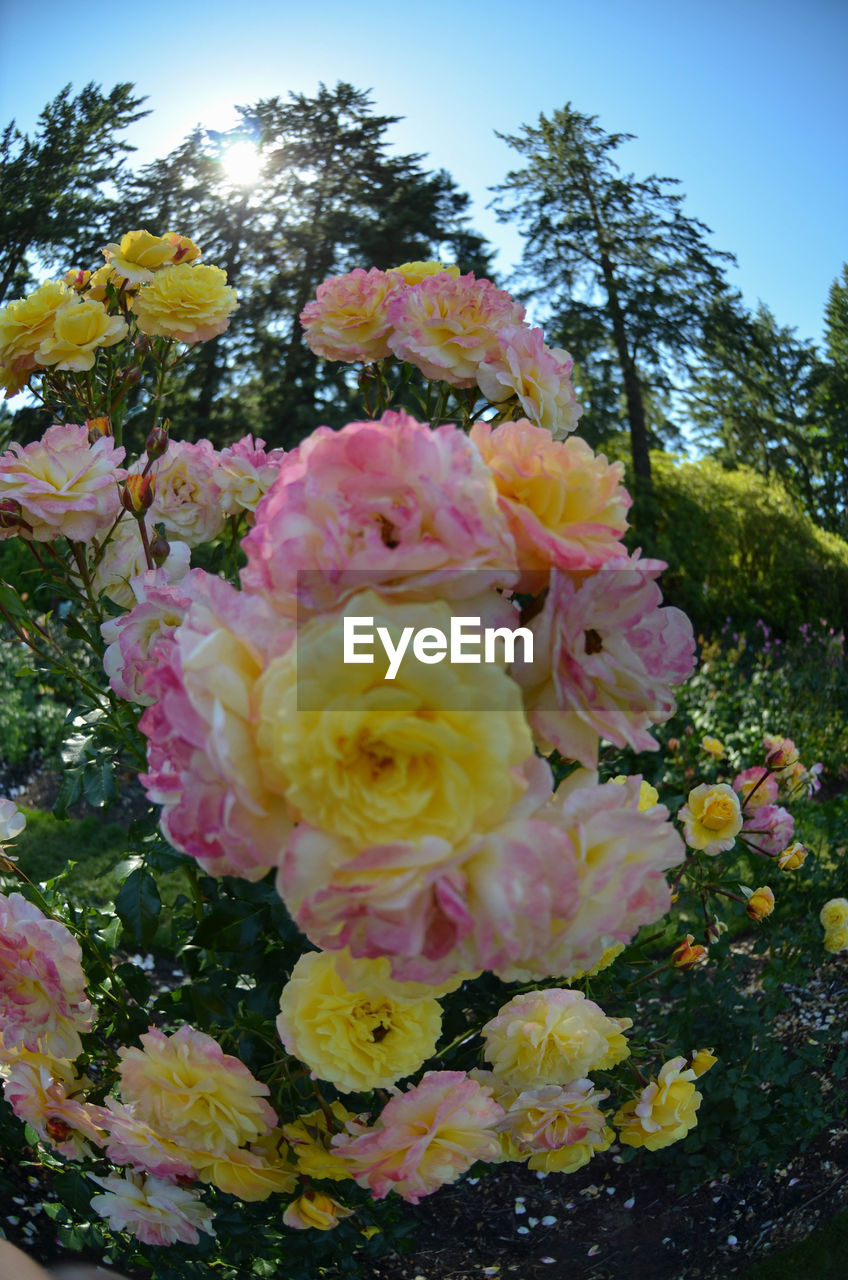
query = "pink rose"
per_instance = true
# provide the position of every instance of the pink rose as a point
(389, 504)
(448, 327)
(606, 659)
(349, 319)
(203, 763)
(66, 487)
(43, 1003)
(426, 1137)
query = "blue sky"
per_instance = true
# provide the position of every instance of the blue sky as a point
(745, 101)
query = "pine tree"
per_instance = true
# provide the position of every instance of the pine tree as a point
(329, 197)
(625, 273)
(57, 204)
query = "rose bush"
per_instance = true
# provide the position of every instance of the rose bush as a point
(357, 844)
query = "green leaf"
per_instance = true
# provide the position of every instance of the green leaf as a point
(138, 905)
(99, 784)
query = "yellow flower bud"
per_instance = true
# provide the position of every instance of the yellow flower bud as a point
(760, 903)
(686, 955)
(793, 857)
(702, 1061)
(315, 1209)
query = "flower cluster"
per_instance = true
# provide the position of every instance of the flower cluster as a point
(421, 815)
(454, 329)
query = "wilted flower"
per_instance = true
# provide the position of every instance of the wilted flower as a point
(154, 1211)
(43, 1090)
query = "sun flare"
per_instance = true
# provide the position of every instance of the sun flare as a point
(242, 164)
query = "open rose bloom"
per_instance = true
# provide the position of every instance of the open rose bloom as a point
(369, 808)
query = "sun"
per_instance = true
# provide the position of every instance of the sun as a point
(242, 164)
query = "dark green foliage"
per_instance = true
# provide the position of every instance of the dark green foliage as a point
(738, 546)
(55, 201)
(330, 197)
(752, 399)
(626, 274)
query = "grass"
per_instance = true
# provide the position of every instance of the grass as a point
(822, 1255)
(96, 848)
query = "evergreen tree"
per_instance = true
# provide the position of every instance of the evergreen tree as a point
(56, 201)
(329, 197)
(831, 403)
(752, 398)
(626, 274)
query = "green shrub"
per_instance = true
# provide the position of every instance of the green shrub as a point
(739, 546)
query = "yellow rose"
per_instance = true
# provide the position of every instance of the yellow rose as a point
(793, 857)
(702, 1061)
(188, 303)
(760, 903)
(552, 1037)
(712, 817)
(415, 272)
(315, 1209)
(379, 760)
(139, 255)
(24, 325)
(834, 913)
(663, 1112)
(79, 328)
(836, 939)
(713, 748)
(192, 1093)
(648, 795)
(347, 1021)
(244, 1174)
(309, 1138)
